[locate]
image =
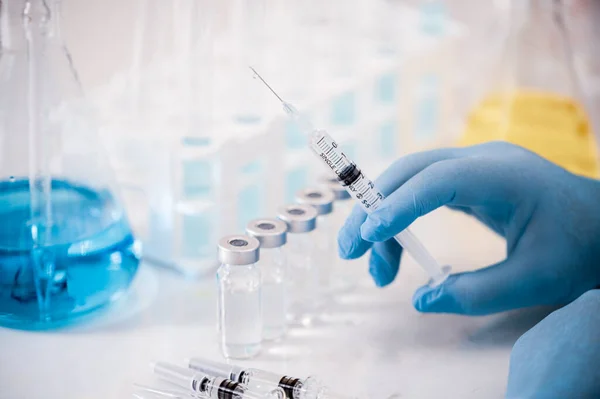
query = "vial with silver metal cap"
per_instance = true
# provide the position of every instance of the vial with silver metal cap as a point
(240, 314)
(322, 200)
(302, 274)
(272, 235)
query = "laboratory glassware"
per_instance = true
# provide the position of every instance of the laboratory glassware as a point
(261, 380)
(66, 247)
(433, 16)
(272, 235)
(211, 386)
(303, 277)
(533, 96)
(359, 186)
(246, 28)
(181, 169)
(239, 306)
(322, 200)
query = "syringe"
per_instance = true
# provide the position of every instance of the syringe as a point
(212, 387)
(359, 186)
(260, 380)
(147, 392)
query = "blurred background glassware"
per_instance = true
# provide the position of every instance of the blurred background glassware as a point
(533, 95)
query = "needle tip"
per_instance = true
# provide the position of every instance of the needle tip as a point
(253, 71)
(256, 75)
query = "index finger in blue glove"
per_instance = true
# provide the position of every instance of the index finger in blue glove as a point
(406, 167)
(350, 243)
(463, 181)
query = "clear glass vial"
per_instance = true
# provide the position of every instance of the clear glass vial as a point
(239, 312)
(272, 235)
(345, 274)
(322, 200)
(303, 278)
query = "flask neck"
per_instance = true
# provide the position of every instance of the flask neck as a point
(12, 36)
(42, 16)
(538, 54)
(55, 18)
(41, 21)
(537, 16)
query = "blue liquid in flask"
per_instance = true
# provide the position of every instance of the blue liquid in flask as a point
(86, 257)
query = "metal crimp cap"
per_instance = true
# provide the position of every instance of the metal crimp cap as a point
(238, 250)
(299, 218)
(271, 233)
(321, 199)
(334, 185)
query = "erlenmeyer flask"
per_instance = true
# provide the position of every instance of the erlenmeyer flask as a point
(535, 99)
(65, 244)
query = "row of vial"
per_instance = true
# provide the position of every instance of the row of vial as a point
(283, 271)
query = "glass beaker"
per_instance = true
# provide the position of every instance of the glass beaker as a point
(66, 247)
(536, 101)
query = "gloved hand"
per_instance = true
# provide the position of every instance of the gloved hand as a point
(549, 217)
(560, 356)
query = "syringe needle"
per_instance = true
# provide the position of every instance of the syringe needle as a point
(289, 109)
(257, 75)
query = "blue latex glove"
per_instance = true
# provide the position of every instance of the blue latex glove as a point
(560, 356)
(549, 217)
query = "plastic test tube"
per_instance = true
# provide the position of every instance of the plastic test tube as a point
(322, 200)
(272, 235)
(239, 312)
(210, 386)
(303, 279)
(260, 380)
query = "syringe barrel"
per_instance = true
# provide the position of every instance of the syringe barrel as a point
(181, 376)
(260, 380)
(147, 392)
(415, 247)
(370, 198)
(221, 388)
(217, 369)
(252, 383)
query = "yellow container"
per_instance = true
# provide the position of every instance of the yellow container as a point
(532, 95)
(555, 127)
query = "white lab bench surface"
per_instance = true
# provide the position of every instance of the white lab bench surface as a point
(393, 349)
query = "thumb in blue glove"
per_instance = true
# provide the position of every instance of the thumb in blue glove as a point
(549, 218)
